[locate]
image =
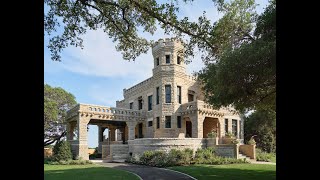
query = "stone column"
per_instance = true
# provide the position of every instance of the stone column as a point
(222, 126)
(83, 137)
(112, 133)
(197, 125)
(131, 129)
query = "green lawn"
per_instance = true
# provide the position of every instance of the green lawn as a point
(84, 172)
(231, 171)
(274, 159)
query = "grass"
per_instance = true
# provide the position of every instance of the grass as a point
(231, 171)
(84, 172)
(274, 159)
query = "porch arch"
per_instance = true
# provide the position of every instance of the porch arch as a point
(210, 124)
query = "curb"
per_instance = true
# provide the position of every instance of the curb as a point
(179, 173)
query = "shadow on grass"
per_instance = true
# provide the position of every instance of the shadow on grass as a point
(76, 172)
(204, 172)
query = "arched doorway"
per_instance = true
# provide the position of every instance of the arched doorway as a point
(211, 124)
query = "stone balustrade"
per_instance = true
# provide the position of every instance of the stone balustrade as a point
(201, 107)
(105, 112)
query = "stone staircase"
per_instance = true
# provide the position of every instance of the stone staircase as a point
(119, 152)
(243, 156)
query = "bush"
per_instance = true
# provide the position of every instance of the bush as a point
(62, 151)
(180, 157)
(70, 162)
(263, 156)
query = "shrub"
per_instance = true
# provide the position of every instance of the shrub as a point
(229, 135)
(263, 156)
(252, 141)
(70, 162)
(212, 134)
(62, 151)
(180, 157)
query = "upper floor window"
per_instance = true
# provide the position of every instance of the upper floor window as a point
(235, 127)
(131, 105)
(149, 103)
(140, 102)
(157, 61)
(168, 122)
(167, 59)
(190, 97)
(157, 95)
(168, 93)
(179, 94)
(178, 60)
(226, 125)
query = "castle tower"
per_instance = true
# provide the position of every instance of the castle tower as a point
(169, 74)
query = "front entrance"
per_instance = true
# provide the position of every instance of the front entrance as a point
(188, 129)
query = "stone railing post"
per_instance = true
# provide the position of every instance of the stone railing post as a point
(131, 129)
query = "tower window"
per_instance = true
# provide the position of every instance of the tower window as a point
(140, 102)
(167, 59)
(178, 60)
(168, 93)
(131, 105)
(157, 95)
(149, 103)
(179, 94)
(158, 61)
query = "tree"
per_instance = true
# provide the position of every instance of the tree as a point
(245, 75)
(239, 58)
(62, 151)
(262, 125)
(122, 19)
(57, 102)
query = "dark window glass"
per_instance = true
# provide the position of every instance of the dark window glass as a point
(179, 121)
(178, 60)
(235, 127)
(158, 122)
(149, 103)
(158, 61)
(149, 123)
(168, 59)
(179, 94)
(168, 93)
(168, 122)
(131, 105)
(140, 102)
(190, 97)
(226, 125)
(157, 95)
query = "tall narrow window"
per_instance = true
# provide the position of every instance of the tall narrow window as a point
(178, 60)
(158, 122)
(140, 102)
(167, 59)
(168, 93)
(149, 123)
(179, 94)
(179, 121)
(241, 130)
(158, 61)
(235, 127)
(149, 103)
(168, 122)
(131, 105)
(157, 95)
(226, 125)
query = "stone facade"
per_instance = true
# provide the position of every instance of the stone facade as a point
(170, 104)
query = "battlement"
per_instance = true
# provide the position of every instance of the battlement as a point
(137, 85)
(166, 42)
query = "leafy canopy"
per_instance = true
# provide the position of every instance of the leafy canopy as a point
(57, 102)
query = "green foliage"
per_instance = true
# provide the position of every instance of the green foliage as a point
(207, 156)
(229, 135)
(70, 162)
(252, 141)
(212, 134)
(264, 156)
(57, 102)
(62, 151)
(244, 75)
(180, 157)
(262, 125)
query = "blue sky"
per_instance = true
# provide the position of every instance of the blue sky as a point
(98, 74)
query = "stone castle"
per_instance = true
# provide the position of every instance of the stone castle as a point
(163, 112)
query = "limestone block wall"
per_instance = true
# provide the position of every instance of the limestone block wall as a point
(227, 150)
(138, 146)
(248, 150)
